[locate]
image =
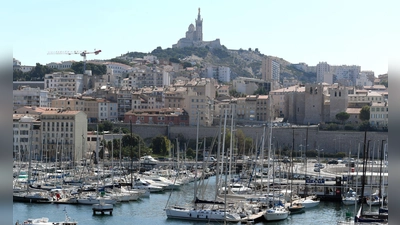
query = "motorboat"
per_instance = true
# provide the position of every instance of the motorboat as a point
(45, 221)
(296, 208)
(275, 213)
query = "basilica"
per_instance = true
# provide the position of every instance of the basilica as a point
(194, 37)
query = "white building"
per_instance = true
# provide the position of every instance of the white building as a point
(26, 137)
(346, 75)
(27, 96)
(63, 65)
(248, 85)
(151, 58)
(379, 114)
(108, 111)
(64, 83)
(364, 79)
(324, 73)
(220, 73)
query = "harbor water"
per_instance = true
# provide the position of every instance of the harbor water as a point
(151, 210)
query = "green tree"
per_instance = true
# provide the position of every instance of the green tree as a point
(107, 125)
(161, 145)
(240, 138)
(190, 153)
(364, 126)
(174, 60)
(364, 113)
(342, 116)
(118, 60)
(187, 64)
(261, 91)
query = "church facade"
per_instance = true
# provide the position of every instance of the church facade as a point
(194, 37)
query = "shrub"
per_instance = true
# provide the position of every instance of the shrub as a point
(332, 126)
(348, 127)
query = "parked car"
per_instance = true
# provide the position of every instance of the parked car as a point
(317, 169)
(333, 161)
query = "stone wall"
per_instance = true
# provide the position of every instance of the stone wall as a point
(329, 141)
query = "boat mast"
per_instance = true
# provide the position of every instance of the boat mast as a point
(197, 152)
(218, 160)
(231, 145)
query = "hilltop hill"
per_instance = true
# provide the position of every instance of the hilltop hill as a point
(244, 63)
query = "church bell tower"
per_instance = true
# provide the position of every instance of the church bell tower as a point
(199, 28)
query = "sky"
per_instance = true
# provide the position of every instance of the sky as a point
(337, 32)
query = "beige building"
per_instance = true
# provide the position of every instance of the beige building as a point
(379, 115)
(64, 134)
(270, 69)
(175, 97)
(324, 73)
(199, 100)
(88, 105)
(354, 118)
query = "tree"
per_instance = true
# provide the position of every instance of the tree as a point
(364, 113)
(261, 91)
(342, 116)
(187, 64)
(174, 60)
(364, 126)
(107, 125)
(190, 153)
(161, 145)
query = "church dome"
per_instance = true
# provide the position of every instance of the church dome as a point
(191, 27)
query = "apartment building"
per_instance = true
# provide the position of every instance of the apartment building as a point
(148, 98)
(270, 69)
(63, 65)
(346, 75)
(199, 100)
(248, 86)
(175, 97)
(64, 134)
(148, 77)
(263, 112)
(219, 73)
(324, 73)
(246, 107)
(223, 90)
(64, 83)
(379, 115)
(26, 137)
(96, 109)
(108, 111)
(164, 116)
(27, 96)
(124, 101)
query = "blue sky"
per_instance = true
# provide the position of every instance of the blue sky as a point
(338, 32)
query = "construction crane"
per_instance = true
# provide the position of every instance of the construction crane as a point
(82, 53)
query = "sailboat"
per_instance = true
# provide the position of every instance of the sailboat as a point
(202, 209)
(295, 208)
(307, 201)
(277, 211)
(367, 217)
(28, 195)
(350, 197)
